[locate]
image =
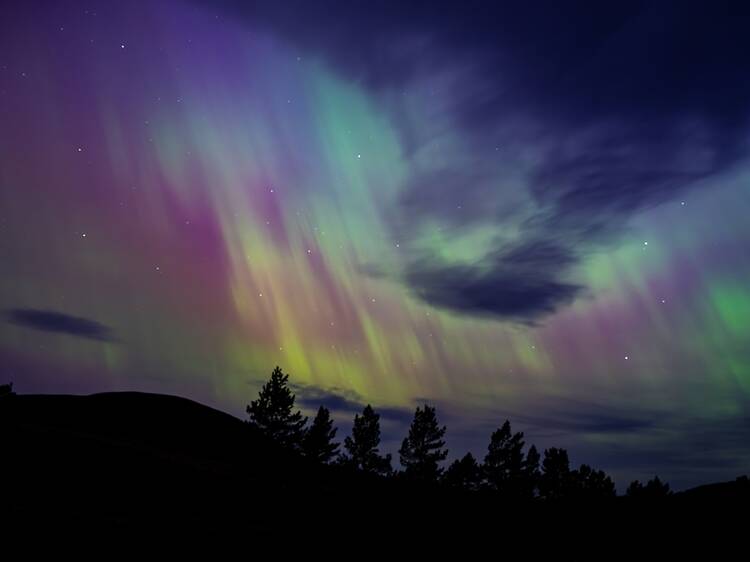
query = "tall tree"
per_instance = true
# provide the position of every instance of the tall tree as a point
(422, 450)
(464, 474)
(362, 446)
(556, 480)
(503, 464)
(318, 443)
(273, 412)
(530, 474)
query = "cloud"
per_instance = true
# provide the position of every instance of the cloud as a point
(601, 110)
(499, 292)
(344, 401)
(60, 323)
(336, 400)
(593, 421)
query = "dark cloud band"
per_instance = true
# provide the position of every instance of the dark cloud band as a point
(57, 322)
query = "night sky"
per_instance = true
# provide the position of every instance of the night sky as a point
(528, 210)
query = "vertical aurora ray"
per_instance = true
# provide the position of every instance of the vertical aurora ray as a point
(226, 202)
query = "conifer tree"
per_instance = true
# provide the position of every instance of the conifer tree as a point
(530, 474)
(422, 450)
(592, 484)
(273, 412)
(464, 474)
(318, 443)
(556, 480)
(504, 463)
(362, 446)
(653, 489)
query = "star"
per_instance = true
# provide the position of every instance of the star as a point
(122, 45)
(626, 358)
(359, 156)
(83, 235)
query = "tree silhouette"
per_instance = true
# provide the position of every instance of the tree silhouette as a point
(362, 446)
(6, 389)
(556, 480)
(530, 474)
(592, 484)
(318, 443)
(635, 489)
(464, 474)
(422, 450)
(503, 464)
(654, 489)
(273, 412)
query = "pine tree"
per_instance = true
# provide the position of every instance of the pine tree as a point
(503, 464)
(531, 474)
(556, 480)
(318, 443)
(592, 484)
(464, 474)
(635, 489)
(362, 446)
(653, 489)
(422, 450)
(273, 412)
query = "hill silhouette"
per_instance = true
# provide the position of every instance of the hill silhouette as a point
(134, 461)
(135, 458)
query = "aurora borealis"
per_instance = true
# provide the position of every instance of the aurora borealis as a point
(537, 213)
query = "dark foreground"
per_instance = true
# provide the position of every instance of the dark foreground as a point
(133, 462)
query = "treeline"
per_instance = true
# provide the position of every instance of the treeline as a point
(508, 468)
